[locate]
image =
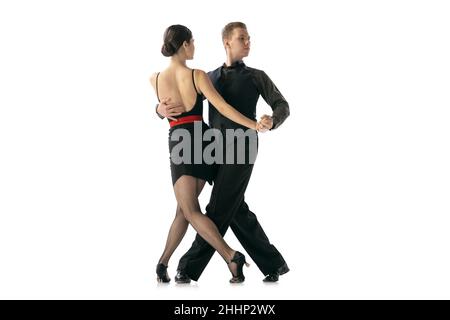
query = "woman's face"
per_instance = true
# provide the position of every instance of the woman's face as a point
(189, 48)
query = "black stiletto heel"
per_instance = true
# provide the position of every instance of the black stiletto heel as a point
(161, 272)
(239, 259)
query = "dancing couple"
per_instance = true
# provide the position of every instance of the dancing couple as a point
(232, 91)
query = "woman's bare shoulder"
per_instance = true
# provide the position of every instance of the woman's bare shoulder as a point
(199, 72)
(153, 79)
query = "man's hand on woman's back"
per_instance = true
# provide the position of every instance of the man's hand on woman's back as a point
(169, 109)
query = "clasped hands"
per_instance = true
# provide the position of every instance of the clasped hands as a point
(264, 124)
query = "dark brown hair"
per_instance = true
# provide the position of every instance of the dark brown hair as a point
(174, 36)
(228, 29)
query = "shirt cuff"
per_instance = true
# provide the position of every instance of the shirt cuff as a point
(274, 123)
(156, 110)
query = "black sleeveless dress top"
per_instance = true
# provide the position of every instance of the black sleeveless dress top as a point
(185, 159)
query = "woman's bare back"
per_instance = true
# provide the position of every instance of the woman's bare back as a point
(176, 83)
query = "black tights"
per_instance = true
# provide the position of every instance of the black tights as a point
(187, 190)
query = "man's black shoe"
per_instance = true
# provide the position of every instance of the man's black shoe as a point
(182, 277)
(274, 276)
(271, 277)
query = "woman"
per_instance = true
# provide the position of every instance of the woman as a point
(187, 86)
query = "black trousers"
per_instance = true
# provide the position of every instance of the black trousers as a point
(227, 208)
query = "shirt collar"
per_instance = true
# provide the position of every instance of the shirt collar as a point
(236, 64)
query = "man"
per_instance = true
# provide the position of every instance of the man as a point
(241, 87)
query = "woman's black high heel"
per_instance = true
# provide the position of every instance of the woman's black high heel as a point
(239, 259)
(161, 272)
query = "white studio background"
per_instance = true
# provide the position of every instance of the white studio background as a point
(353, 189)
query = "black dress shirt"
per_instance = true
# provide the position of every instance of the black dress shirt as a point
(241, 87)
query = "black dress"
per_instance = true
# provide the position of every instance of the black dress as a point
(187, 121)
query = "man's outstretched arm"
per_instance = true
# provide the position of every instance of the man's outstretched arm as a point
(274, 99)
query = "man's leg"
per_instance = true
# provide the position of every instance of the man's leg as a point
(227, 207)
(251, 235)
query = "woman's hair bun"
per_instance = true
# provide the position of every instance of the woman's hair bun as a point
(168, 50)
(174, 37)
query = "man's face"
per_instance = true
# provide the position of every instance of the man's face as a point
(238, 44)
